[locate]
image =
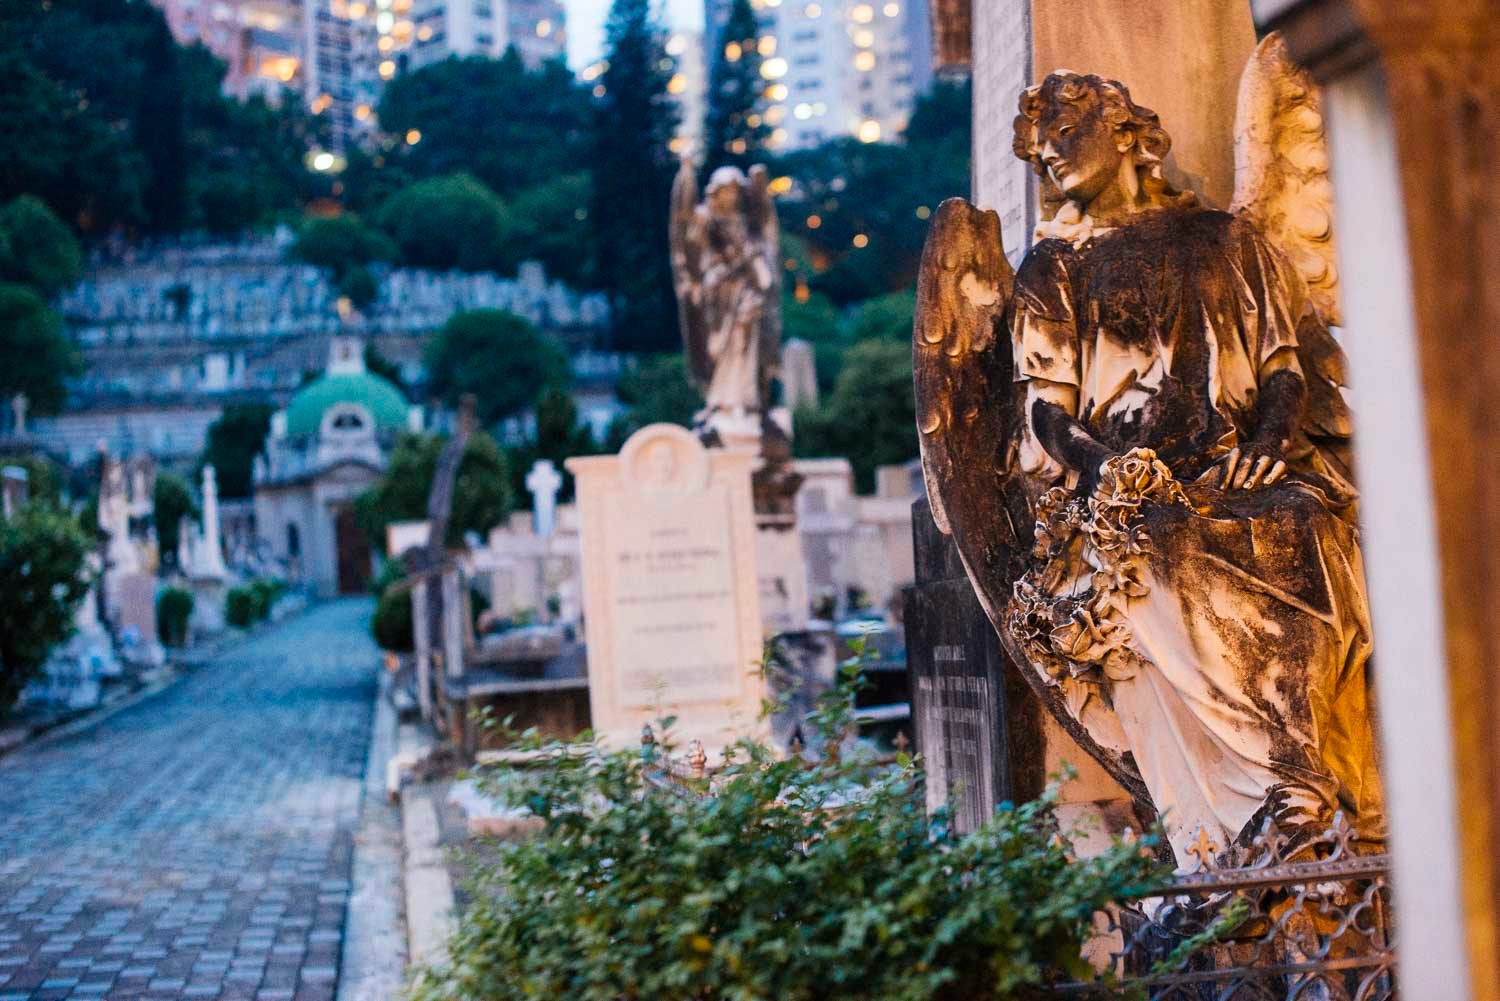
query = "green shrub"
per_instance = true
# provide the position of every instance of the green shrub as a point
(267, 591)
(391, 625)
(43, 578)
(240, 607)
(793, 880)
(174, 607)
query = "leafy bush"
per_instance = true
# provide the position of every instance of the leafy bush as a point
(793, 880)
(174, 607)
(392, 625)
(43, 557)
(239, 607)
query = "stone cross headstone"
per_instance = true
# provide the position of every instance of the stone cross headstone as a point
(543, 482)
(671, 604)
(799, 375)
(978, 727)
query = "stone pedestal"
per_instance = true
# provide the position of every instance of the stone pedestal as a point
(209, 594)
(137, 619)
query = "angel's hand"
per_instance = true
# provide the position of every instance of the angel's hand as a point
(1254, 464)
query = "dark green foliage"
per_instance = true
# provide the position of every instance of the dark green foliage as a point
(234, 440)
(634, 121)
(510, 127)
(174, 607)
(499, 357)
(803, 881)
(173, 500)
(870, 417)
(550, 223)
(481, 494)
(340, 244)
(656, 390)
(37, 249)
(36, 357)
(559, 436)
(382, 366)
(43, 576)
(735, 88)
(885, 191)
(448, 223)
(392, 625)
(818, 323)
(250, 603)
(44, 481)
(124, 128)
(360, 286)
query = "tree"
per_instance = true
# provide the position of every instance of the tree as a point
(657, 390)
(499, 357)
(550, 223)
(511, 127)
(481, 492)
(870, 417)
(171, 501)
(160, 127)
(734, 133)
(36, 357)
(43, 558)
(37, 249)
(233, 442)
(448, 223)
(380, 365)
(885, 317)
(634, 121)
(560, 435)
(817, 322)
(345, 247)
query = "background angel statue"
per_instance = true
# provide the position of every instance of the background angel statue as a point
(1139, 442)
(725, 267)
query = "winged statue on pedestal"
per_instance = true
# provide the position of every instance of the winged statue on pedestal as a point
(1140, 443)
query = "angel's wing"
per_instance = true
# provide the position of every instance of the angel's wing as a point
(760, 209)
(1282, 185)
(686, 239)
(970, 414)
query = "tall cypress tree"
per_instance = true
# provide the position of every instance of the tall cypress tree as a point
(635, 119)
(161, 130)
(735, 89)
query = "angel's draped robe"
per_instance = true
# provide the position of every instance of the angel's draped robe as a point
(1233, 665)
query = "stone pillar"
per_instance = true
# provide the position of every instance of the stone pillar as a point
(421, 622)
(210, 553)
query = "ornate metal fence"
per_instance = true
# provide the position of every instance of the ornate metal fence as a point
(1302, 920)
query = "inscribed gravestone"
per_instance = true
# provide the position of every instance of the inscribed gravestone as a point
(671, 610)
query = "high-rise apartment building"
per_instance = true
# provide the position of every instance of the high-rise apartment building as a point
(536, 28)
(258, 40)
(835, 67)
(688, 86)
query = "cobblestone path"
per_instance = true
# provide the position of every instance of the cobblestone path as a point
(196, 845)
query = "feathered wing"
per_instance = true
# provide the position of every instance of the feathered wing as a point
(686, 238)
(1282, 185)
(970, 416)
(766, 230)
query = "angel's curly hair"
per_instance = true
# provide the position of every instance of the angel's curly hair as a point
(1065, 87)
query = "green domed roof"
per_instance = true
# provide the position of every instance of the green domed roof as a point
(304, 415)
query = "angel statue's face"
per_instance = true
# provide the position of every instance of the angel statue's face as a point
(1081, 151)
(724, 200)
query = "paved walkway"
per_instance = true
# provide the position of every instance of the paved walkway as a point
(197, 845)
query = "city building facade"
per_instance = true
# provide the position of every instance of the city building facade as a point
(835, 67)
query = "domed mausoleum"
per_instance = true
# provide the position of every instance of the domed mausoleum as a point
(327, 447)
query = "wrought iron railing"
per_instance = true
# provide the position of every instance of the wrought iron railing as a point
(1303, 919)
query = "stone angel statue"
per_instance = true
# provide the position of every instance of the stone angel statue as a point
(726, 271)
(1139, 441)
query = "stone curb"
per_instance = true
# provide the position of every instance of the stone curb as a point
(373, 963)
(428, 886)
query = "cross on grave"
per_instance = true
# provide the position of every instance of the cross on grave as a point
(543, 482)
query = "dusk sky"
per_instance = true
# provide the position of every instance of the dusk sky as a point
(586, 25)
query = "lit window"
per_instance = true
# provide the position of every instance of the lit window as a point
(357, 11)
(413, 136)
(861, 241)
(677, 45)
(384, 21)
(864, 61)
(775, 114)
(923, 212)
(814, 221)
(360, 113)
(864, 38)
(677, 84)
(732, 51)
(387, 69)
(543, 28)
(780, 185)
(778, 136)
(598, 90)
(386, 43)
(892, 9)
(753, 121)
(862, 14)
(424, 33)
(869, 131)
(773, 69)
(813, 10)
(776, 92)
(738, 146)
(678, 145)
(767, 45)
(803, 111)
